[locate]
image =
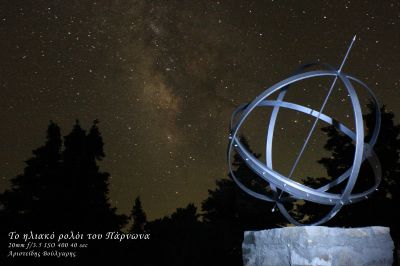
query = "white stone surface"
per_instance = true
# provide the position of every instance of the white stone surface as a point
(318, 245)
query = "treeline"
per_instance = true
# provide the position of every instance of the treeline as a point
(62, 189)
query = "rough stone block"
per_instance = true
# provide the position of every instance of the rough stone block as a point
(318, 245)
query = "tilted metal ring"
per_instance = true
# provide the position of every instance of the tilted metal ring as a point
(295, 189)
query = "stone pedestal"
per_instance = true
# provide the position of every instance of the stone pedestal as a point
(318, 245)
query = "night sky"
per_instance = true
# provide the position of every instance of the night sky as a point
(163, 77)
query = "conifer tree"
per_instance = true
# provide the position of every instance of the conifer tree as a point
(27, 203)
(63, 189)
(228, 212)
(138, 217)
(384, 202)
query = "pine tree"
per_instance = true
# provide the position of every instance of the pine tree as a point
(138, 217)
(32, 193)
(180, 239)
(92, 210)
(63, 189)
(383, 202)
(228, 212)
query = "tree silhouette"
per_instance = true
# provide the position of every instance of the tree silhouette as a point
(138, 217)
(92, 209)
(63, 190)
(228, 212)
(26, 205)
(179, 239)
(382, 208)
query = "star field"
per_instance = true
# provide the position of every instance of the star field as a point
(164, 76)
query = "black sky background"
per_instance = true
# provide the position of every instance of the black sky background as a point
(164, 76)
